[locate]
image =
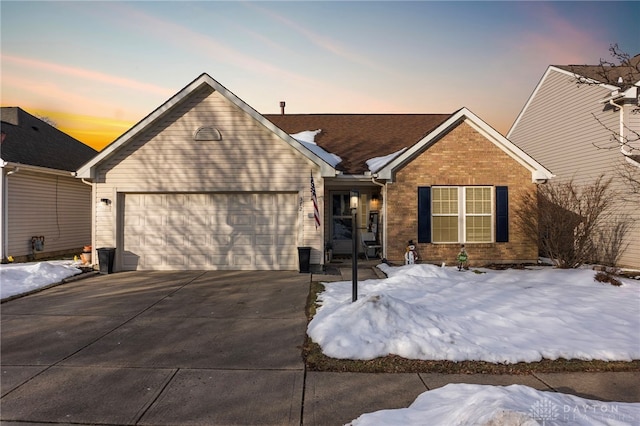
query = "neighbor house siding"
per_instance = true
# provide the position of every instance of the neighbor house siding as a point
(558, 127)
(249, 158)
(463, 157)
(56, 207)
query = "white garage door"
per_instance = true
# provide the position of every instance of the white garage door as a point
(210, 231)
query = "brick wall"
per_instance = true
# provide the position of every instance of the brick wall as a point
(462, 157)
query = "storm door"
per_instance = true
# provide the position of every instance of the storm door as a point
(341, 223)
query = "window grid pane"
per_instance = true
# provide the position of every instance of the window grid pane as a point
(478, 200)
(478, 229)
(445, 201)
(445, 229)
(444, 207)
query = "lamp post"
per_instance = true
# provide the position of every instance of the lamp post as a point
(353, 201)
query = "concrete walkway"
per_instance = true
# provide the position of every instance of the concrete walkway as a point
(203, 348)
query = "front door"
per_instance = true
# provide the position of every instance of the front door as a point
(341, 223)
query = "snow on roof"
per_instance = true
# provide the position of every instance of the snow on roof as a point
(377, 163)
(308, 139)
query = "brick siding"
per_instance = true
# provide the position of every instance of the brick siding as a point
(462, 157)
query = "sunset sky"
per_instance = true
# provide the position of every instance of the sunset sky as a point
(97, 68)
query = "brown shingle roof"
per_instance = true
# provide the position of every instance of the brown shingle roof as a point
(357, 138)
(607, 74)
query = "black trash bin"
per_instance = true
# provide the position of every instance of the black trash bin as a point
(105, 258)
(304, 259)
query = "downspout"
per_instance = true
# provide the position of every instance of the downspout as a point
(4, 221)
(94, 252)
(621, 137)
(384, 214)
(3, 225)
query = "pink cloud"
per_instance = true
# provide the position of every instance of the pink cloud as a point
(87, 74)
(556, 40)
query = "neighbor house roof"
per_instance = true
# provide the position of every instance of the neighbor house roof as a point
(30, 141)
(356, 138)
(608, 74)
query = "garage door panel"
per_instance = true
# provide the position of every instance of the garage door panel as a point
(152, 259)
(176, 221)
(197, 240)
(210, 231)
(153, 221)
(153, 201)
(221, 260)
(201, 261)
(153, 240)
(265, 261)
(176, 240)
(262, 220)
(264, 240)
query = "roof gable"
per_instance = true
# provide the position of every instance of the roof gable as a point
(538, 172)
(88, 169)
(356, 138)
(30, 141)
(594, 75)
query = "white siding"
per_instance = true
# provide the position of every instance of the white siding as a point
(164, 158)
(559, 129)
(56, 207)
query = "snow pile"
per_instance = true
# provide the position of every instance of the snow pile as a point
(22, 278)
(308, 139)
(377, 163)
(432, 313)
(463, 404)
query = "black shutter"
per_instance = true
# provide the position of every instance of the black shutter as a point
(424, 214)
(502, 214)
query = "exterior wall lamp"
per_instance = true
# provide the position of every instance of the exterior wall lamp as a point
(375, 202)
(354, 197)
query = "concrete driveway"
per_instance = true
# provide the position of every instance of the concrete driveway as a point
(203, 348)
(157, 348)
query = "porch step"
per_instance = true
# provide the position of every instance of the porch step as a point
(365, 273)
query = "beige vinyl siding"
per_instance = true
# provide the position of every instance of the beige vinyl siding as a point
(249, 159)
(56, 207)
(631, 119)
(559, 129)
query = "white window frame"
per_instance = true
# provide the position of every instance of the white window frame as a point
(462, 214)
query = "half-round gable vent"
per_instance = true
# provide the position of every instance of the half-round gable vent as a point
(207, 133)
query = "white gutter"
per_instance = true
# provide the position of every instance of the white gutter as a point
(28, 168)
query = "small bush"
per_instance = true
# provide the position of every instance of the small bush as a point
(603, 277)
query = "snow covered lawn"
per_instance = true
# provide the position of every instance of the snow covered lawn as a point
(20, 278)
(464, 404)
(431, 313)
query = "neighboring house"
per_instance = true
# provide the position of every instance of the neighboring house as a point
(579, 131)
(45, 210)
(206, 182)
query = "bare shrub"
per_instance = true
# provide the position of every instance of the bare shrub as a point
(568, 220)
(611, 240)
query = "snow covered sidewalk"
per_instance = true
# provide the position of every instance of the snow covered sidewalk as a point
(432, 313)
